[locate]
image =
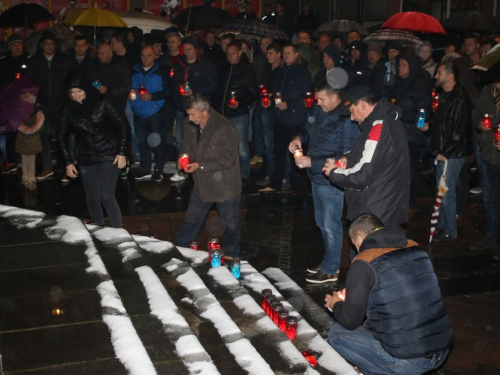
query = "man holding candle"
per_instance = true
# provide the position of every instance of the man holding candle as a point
(330, 135)
(392, 283)
(211, 142)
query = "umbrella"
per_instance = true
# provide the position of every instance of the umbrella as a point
(442, 189)
(254, 26)
(414, 21)
(383, 35)
(64, 35)
(202, 16)
(24, 14)
(13, 110)
(95, 17)
(473, 20)
(340, 26)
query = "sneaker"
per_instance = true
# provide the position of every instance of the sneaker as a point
(45, 174)
(443, 237)
(9, 168)
(485, 243)
(476, 190)
(141, 175)
(263, 182)
(178, 176)
(285, 185)
(267, 189)
(322, 278)
(157, 176)
(256, 160)
(65, 179)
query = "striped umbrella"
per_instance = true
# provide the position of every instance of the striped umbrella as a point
(381, 37)
(442, 190)
(255, 27)
(341, 27)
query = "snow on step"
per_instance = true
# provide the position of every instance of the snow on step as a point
(264, 325)
(329, 359)
(21, 217)
(127, 345)
(176, 328)
(209, 308)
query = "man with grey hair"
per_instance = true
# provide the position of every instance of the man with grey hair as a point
(424, 51)
(211, 142)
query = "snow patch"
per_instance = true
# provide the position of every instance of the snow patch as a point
(157, 247)
(223, 276)
(4, 209)
(191, 281)
(21, 212)
(222, 322)
(267, 324)
(248, 305)
(70, 230)
(109, 297)
(130, 254)
(187, 345)
(196, 257)
(111, 234)
(248, 358)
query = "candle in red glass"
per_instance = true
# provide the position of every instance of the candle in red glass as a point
(291, 327)
(233, 102)
(265, 100)
(193, 245)
(142, 90)
(262, 90)
(435, 103)
(264, 294)
(496, 132)
(184, 161)
(182, 89)
(171, 72)
(18, 75)
(213, 244)
(272, 298)
(310, 358)
(434, 93)
(487, 121)
(282, 315)
(309, 100)
(277, 306)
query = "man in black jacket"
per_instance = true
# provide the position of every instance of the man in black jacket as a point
(451, 142)
(376, 173)
(236, 93)
(80, 55)
(48, 70)
(392, 283)
(14, 64)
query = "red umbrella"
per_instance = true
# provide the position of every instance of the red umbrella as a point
(414, 21)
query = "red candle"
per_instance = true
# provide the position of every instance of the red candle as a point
(277, 306)
(142, 90)
(434, 93)
(193, 245)
(18, 75)
(233, 102)
(282, 315)
(182, 90)
(265, 100)
(435, 103)
(213, 244)
(487, 121)
(309, 100)
(496, 132)
(184, 161)
(171, 72)
(262, 89)
(264, 294)
(394, 101)
(291, 327)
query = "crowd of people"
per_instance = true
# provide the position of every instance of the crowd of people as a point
(381, 113)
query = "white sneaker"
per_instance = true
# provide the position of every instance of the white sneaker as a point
(178, 176)
(476, 190)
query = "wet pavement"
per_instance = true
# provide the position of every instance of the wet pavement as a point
(278, 230)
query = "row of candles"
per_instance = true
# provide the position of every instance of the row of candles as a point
(216, 256)
(280, 316)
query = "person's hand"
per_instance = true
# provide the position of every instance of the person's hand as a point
(234, 106)
(191, 168)
(329, 165)
(296, 142)
(145, 97)
(483, 128)
(28, 98)
(121, 160)
(102, 89)
(188, 93)
(441, 158)
(71, 171)
(424, 128)
(343, 162)
(282, 106)
(303, 162)
(332, 299)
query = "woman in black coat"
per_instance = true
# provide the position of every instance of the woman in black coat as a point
(101, 136)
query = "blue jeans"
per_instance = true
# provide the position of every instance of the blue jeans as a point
(133, 140)
(150, 133)
(361, 349)
(195, 216)
(448, 210)
(491, 197)
(328, 203)
(240, 123)
(179, 130)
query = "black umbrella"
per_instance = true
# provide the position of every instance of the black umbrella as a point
(473, 20)
(255, 27)
(202, 16)
(24, 14)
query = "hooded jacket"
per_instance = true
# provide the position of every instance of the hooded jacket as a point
(101, 130)
(411, 96)
(392, 282)
(377, 177)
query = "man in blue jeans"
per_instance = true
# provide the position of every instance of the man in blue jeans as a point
(451, 142)
(391, 282)
(329, 134)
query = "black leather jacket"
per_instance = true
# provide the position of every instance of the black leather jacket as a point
(451, 129)
(99, 137)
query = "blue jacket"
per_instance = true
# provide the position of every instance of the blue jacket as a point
(293, 82)
(329, 135)
(158, 82)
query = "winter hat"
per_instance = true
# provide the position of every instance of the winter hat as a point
(192, 41)
(375, 48)
(356, 45)
(334, 52)
(76, 79)
(393, 44)
(14, 38)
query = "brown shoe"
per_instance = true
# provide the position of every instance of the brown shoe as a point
(45, 174)
(322, 278)
(256, 160)
(315, 268)
(267, 189)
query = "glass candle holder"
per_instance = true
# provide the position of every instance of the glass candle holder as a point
(142, 90)
(282, 315)
(309, 99)
(272, 298)
(276, 306)
(265, 100)
(297, 153)
(184, 161)
(212, 244)
(487, 121)
(216, 259)
(496, 132)
(291, 327)
(236, 269)
(277, 97)
(262, 90)
(132, 95)
(233, 102)
(435, 103)
(193, 245)
(264, 294)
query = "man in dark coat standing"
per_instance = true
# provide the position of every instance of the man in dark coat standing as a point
(376, 173)
(211, 142)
